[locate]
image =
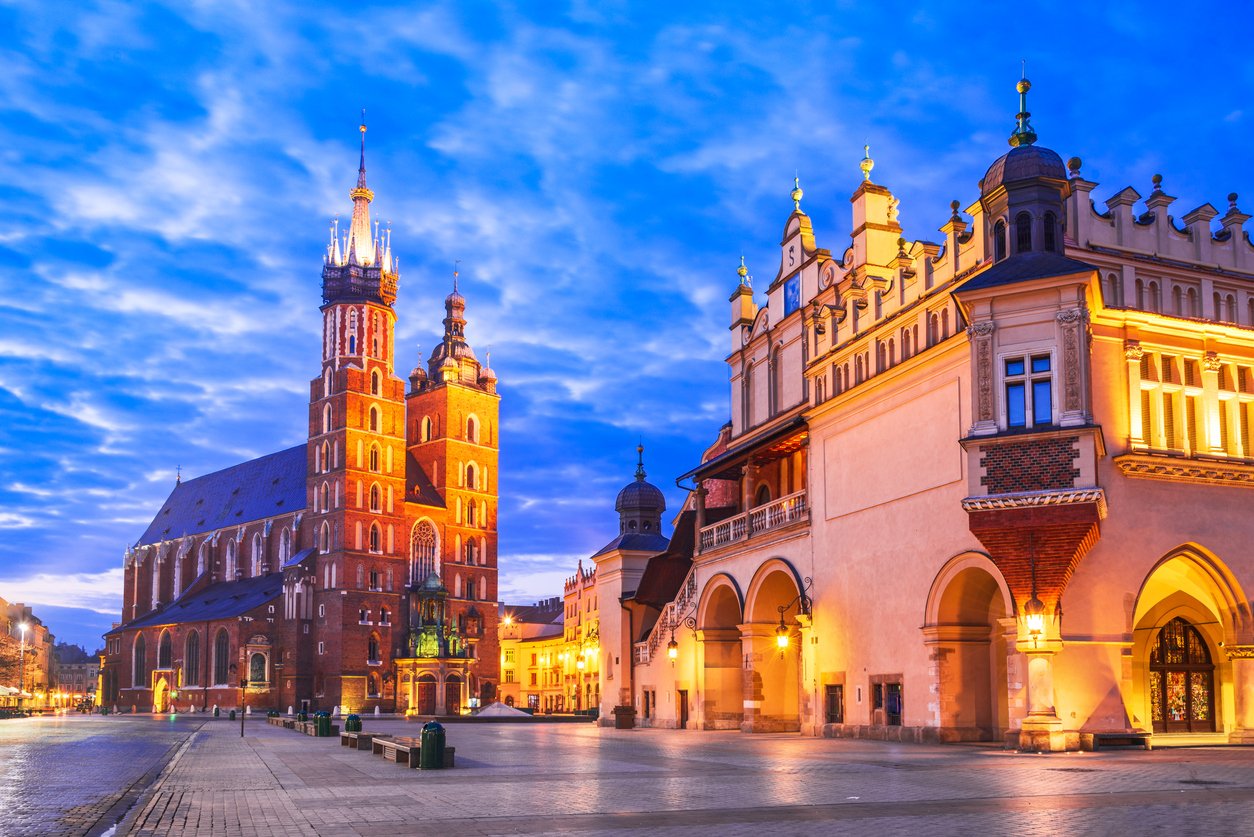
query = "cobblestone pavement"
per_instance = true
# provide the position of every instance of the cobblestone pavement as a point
(579, 779)
(79, 774)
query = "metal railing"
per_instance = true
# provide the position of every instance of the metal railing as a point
(666, 621)
(773, 515)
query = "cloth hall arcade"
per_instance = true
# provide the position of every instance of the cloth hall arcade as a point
(356, 570)
(993, 487)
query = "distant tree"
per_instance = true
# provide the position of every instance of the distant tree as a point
(10, 663)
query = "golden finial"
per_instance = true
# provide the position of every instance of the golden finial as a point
(743, 273)
(1023, 133)
(797, 194)
(867, 163)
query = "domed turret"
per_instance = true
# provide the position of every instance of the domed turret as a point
(640, 504)
(487, 377)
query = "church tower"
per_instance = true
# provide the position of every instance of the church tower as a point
(356, 461)
(453, 411)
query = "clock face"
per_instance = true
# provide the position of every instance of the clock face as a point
(792, 294)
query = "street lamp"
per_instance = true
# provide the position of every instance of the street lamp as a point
(21, 664)
(1034, 608)
(802, 601)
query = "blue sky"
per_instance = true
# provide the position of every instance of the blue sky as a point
(169, 174)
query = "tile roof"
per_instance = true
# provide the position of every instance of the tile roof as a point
(223, 600)
(299, 556)
(666, 571)
(420, 489)
(264, 487)
(635, 542)
(1024, 267)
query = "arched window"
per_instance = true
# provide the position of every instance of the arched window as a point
(471, 551)
(202, 557)
(139, 666)
(374, 418)
(472, 430)
(892, 354)
(384, 617)
(258, 554)
(372, 649)
(763, 496)
(375, 382)
(229, 572)
(945, 324)
(1177, 301)
(376, 498)
(933, 329)
(470, 476)
(361, 577)
(376, 538)
(324, 538)
(191, 659)
(1114, 291)
(372, 685)
(165, 650)
(1155, 297)
(352, 332)
(374, 458)
(1195, 309)
(999, 241)
(326, 419)
(857, 365)
(1181, 680)
(881, 357)
(1023, 232)
(1230, 308)
(422, 549)
(285, 545)
(257, 668)
(221, 657)
(324, 496)
(426, 428)
(470, 513)
(1140, 294)
(1051, 232)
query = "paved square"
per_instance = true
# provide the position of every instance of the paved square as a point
(195, 776)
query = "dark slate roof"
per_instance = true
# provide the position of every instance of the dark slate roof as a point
(536, 614)
(224, 600)
(420, 488)
(636, 542)
(667, 570)
(1024, 162)
(299, 556)
(1024, 267)
(639, 494)
(260, 488)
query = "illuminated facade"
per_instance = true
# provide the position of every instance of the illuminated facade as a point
(532, 640)
(356, 570)
(992, 488)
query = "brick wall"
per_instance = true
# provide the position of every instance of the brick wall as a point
(1035, 465)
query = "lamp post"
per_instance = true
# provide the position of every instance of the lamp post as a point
(782, 632)
(21, 664)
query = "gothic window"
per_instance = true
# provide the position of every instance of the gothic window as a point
(470, 589)
(229, 573)
(374, 581)
(426, 428)
(1051, 232)
(376, 498)
(326, 457)
(324, 538)
(326, 419)
(372, 650)
(1023, 232)
(1029, 391)
(258, 555)
(470, 514)
(221, 657)
(470, 476)
(326, 383)
(389, 577)
(139, 666)
(191, 660)
(361, 576)
(384, 617)
(375, 379)
(376, 538)
(1181, 680)
(422, 549)
(472, 430)
(285, 545)
(374, 419)
(324, 496)
(471, 551)
(164, 650)
(374, 458)
(202, 557)
(999, 241)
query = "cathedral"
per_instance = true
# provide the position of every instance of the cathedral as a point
(992, 487)
(356, 570)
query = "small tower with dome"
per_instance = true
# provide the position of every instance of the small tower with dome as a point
(640, 504)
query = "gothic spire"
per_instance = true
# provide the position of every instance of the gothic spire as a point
(361, 245)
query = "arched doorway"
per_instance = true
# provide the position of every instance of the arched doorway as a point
(452, 695)
(967, 648)
(772, 695)
(425, 704)
(1181, 680)
(718, 620)
(160, 695)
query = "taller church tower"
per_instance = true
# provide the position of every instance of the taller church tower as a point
(356, 460)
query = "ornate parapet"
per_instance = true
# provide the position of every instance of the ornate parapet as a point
(1182, 469)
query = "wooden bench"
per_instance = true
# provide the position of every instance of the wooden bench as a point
(357, 740)
(288, 723)
(1135, 740)
(400, 750)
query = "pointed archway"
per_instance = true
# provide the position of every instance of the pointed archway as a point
(718, 619)
(772, 672)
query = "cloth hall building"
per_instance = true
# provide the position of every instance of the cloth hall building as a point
(356, 570)
(993, 488)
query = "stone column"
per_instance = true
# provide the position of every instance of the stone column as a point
(1242, 657)
(1041, 731)
(1213, 408)
(1138, 424)
(1016, 678)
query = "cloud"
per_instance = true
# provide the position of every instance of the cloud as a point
(100, 592)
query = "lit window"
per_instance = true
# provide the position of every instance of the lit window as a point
(1029, 391)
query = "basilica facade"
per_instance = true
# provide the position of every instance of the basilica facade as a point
(986, 488)
(356, 570)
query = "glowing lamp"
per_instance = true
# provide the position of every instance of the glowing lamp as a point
(579, 664)
(1034, 618)
(781, 635)
(672, 649)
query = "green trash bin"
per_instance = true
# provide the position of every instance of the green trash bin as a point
(432, 754)
(352, 723)
(323, 724)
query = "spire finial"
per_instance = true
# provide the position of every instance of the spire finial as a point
(743, 272)
(797, 194)
(867, 163)
(456, 272)
(361, 169)
(178, 474)
(1023, 133)
(640, 475)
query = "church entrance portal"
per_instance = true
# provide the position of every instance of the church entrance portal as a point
(160, 695)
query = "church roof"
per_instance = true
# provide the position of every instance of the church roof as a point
(259, 488)
(1024, 267)
(224, 600)
(421, 490)
(635, 542)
